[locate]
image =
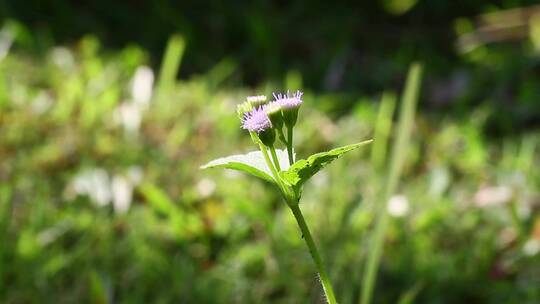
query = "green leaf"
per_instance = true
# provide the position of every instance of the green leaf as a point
(252, 163)
(304, 169)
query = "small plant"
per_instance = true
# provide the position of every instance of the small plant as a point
(266, 122)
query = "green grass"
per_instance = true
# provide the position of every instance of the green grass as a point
(400, 148)
(209, 237)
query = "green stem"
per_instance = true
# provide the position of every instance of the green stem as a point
(285, 190)
(374, 256)
(269, 163)
(306, 235)
(290, 145)
(275, 158)
(282, 136)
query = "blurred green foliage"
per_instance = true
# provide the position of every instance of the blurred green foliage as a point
(465, 228)
(359, 47)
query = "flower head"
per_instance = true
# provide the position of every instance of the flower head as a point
(289, 101)
(256, 120)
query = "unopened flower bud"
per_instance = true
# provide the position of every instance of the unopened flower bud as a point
(242, 109)
(257, 101)
(273, 110)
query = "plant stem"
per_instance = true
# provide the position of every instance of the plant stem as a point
(282, 136)
(275, 158)
(284, 190)
(269, 163)
(306, 235)
(290, 145)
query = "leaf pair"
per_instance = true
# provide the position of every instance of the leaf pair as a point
(295, 176)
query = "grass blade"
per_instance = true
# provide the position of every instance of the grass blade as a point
(382, 129)
(400, 147)
(171, 63)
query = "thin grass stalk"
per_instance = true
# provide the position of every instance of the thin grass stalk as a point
(383, 127)
(400, 147)
(171, 63)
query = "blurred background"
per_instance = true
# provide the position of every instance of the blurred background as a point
(108, 108)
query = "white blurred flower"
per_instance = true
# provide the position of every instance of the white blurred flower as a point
(493, 196)
(531, 247)
(135, 175)
(129, 116)
(438, 181)
(205, 187)
(129, 113)
(41, 103)
(6, 39)
(122, 192)
(102, 190)
(63, 58)
(141, 88)
(398, 206)
(95, 184)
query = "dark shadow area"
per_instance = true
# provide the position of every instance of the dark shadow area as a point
(355, 47)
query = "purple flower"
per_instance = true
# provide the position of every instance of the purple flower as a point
(256, 120)
(289, 101)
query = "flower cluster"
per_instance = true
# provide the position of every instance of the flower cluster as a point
(265, 122)
(259, 116)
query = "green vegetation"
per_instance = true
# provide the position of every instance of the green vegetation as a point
(98, 206)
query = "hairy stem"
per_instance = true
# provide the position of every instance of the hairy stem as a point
(275, 158)
(290, 145)
(306, 235)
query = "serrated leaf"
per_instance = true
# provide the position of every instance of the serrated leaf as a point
(304, 169)
(252, 163)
